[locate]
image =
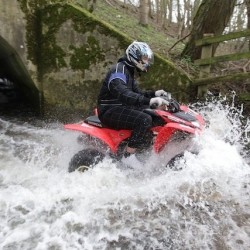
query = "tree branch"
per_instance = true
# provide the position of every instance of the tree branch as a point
(183, 38)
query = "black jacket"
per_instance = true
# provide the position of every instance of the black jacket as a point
(120, 88)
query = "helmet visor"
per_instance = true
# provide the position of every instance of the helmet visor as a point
(149, 60)
(147, 56)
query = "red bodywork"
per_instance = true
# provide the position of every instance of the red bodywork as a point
(113, 138)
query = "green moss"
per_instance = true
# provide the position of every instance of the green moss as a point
(244, 97)
(84, 95)
(50, 55)
(32, 28)
(123, 20)
(88, 54)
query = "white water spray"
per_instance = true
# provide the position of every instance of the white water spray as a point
(203, 206)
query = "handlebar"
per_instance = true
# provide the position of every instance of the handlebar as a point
(173, 105)
(153, 106)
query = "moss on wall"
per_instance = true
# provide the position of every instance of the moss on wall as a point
(163, 74)
(88, 54)
(82, 57)
(73, 50)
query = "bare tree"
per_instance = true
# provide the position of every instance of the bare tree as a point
(188, 13)
(180, 19)
(157, 7)
(151, 6)
(170, 11)
(164, 13)
(247, 3)
(144, 11)
(211, 17)
(196, 6)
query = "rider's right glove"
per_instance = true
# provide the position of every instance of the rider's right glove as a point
(163, 93)
(157, 101)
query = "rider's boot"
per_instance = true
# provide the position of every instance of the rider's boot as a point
(130, 158)
(130, 151)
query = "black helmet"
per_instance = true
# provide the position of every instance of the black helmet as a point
(140, 55)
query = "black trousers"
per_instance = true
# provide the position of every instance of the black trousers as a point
(122, 117)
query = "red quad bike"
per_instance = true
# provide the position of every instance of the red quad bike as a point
(174, 122)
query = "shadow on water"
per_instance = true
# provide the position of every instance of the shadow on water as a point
(13, 104)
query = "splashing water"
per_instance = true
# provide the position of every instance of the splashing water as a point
(203, 206)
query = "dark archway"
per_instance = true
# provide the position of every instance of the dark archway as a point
(17, 89)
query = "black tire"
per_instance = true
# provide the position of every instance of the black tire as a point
(85, 159)
(172, 163)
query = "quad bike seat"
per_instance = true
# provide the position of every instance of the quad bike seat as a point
(150, 112)
(94, 120)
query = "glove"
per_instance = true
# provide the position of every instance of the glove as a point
(157, 101)
(163, 93)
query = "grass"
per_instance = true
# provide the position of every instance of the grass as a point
(127, 22)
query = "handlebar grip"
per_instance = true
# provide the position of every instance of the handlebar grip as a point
(154, 106)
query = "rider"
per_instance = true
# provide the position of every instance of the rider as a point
(120, 101)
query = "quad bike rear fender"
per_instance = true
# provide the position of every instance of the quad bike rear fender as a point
(109, 136)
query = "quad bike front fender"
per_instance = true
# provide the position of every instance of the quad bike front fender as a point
(109, 136)
(167, 131)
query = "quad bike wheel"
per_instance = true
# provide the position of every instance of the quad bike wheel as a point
(175, 161)
(85, 159)
(172, 164)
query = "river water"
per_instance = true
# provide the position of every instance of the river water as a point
(205, 205)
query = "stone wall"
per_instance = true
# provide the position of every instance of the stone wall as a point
(14, 62)
(13, 27)
(67, 52)
(76, 52)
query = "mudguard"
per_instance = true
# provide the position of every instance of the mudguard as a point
(162, 138)
(109, 136)
(167, 131)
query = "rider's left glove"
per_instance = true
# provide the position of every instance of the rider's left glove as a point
(157, 102)
(162, 92)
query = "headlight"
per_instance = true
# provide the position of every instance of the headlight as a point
(196, 124)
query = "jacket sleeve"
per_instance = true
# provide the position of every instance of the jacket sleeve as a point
(119, 90)
(147, 93)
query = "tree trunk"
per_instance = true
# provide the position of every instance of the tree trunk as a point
(239, 20)
(180, 19)
(196, 5)
(144, 10)
(150, 12)
(187, 10)
(170, 11)
(211, 17)
(247, 3)
(157, 3)
(164, 13)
